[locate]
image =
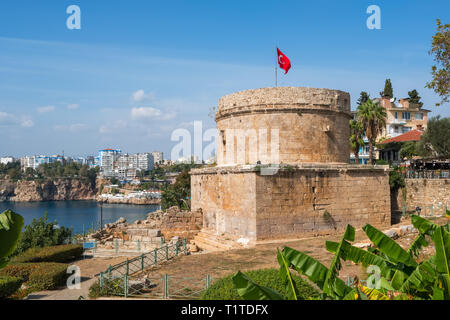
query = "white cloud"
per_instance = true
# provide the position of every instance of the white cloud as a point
(27, 123)
(76, 127)
(140, 96)
(113, 127)
(73, 106)
(46, 109)
(145, 113)
(8, 119)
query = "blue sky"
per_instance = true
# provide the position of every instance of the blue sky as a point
(139, 69)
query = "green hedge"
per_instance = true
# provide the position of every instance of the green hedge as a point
(61, 253)
(38, 276)
(223, 289)
(112, 287)
(9, 285)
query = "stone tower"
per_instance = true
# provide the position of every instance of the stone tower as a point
(302, 134)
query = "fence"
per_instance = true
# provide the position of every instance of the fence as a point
(426, 174)
(428, 210)
(127, 278)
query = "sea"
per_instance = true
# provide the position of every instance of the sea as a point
(79, 215)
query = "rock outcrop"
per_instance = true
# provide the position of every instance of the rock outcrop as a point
(49, 190)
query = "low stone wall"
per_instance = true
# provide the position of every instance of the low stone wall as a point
(185, 224)
(431, 195)
(294, 202)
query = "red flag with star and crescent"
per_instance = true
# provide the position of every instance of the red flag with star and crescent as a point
(283, 61)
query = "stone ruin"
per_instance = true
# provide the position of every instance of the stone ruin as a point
(172, 226)
(283, 170)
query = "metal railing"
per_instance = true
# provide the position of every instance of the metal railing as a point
(426, 174)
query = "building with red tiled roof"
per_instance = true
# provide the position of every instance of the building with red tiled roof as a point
(393, 145)
(413, 135)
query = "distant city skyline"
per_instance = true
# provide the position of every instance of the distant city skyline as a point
(135, 73)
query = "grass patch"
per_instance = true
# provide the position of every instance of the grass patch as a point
(223, 289)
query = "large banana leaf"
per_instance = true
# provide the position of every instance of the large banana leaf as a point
(11, 225)
(364, 257)
(373, 294)
(306, 265)
(423, 225)
(398, 279)
(249, 290)
(441, 239)
(417, 245)
(285, 274)
(422, 278)
(330, 286)
(389, 247)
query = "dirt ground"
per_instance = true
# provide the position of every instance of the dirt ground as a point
(220, 264)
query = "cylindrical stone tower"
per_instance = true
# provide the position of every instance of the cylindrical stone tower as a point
(283, 125)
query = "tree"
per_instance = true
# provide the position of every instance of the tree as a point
(408, 150)
(372, 116)
(414, 98)
(364, 96)
(356, 138)
(388, 91)
(440, 72)
(41, 233)
(436, 140)
(177, 194)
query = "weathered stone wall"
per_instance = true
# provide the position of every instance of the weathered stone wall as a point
(321, 201)
(185, 224)
(240, 202)
(302, 124)
(425, 193)
(227, 199)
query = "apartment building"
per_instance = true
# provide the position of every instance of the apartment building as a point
(403, 117)
(157, 157)
(124, 166)
(35, 161)
(6, 160)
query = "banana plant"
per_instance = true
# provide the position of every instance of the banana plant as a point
(325, 278)
(401, 276)
(11, 225)
(400, 273)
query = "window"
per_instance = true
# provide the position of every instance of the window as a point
(396, 115)
(406, 115)
(418, 116)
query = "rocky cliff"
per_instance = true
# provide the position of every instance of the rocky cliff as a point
(49, 190)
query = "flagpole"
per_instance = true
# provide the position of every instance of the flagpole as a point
(276, 61)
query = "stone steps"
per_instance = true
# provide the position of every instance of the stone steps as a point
(211, 242)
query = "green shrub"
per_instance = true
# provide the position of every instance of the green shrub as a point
(61, 253)
(223, 289)
(41, 233)
(19, 270)
(396, 180)
(9, 285)
(38, 276)
(49, 277)
(112, 287)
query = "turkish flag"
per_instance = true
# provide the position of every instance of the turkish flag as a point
(283, 61)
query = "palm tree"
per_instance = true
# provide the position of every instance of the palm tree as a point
(372, 116)
(356, 138)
